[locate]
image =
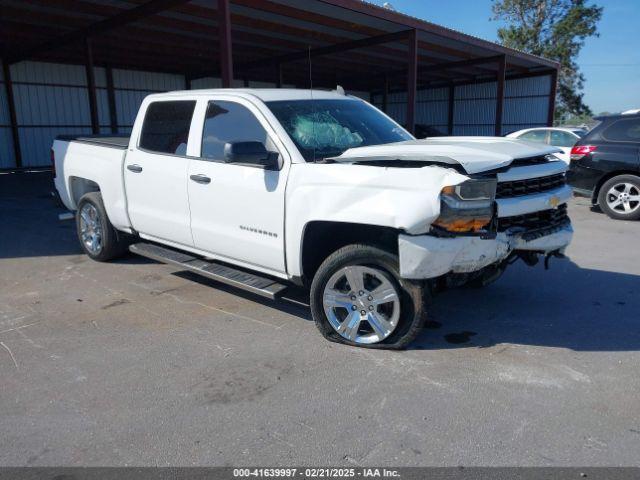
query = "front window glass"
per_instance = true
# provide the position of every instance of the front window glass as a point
(326, 128)
(229, 122)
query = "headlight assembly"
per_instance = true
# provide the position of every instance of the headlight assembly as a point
(468, 207)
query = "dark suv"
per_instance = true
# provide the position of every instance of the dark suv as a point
(605, 166)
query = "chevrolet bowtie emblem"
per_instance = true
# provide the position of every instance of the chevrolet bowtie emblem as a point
(554, 201)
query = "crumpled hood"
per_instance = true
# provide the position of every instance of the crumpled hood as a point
(474, 154)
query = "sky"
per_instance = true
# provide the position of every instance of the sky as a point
(610, 62)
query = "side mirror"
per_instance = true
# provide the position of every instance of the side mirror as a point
(251, 153)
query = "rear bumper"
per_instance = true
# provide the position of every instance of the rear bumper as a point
(427, 256)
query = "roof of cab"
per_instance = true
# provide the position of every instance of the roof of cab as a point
(265, 94)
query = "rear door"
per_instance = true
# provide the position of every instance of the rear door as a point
(156, 170)
(237, 210)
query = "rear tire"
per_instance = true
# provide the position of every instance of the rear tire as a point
(99, 240)
(381, 310)
(619, 197)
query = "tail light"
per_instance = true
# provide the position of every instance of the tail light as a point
(53, 162)
(579, 151)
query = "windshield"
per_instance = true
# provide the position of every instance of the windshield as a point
(326, 128)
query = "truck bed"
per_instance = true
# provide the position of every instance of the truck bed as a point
(112, 141)
(85, 163)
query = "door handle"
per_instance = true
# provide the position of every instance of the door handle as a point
(203, 179)
(134, 168)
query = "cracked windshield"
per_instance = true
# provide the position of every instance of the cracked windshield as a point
(326, 128)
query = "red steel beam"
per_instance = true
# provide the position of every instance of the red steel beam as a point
(552, 98)
(502, 67)
(385, 94)
(91, 87)
(111, 99)
(226, 54)
(412, 80)
(329, 49)
(8, 84)
(451, 116)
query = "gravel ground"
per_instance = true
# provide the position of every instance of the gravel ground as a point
(136, 363)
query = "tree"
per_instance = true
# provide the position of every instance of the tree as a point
(554, 29)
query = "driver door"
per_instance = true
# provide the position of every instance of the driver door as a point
(237, 210)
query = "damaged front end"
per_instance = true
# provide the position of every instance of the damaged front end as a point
(481, 230)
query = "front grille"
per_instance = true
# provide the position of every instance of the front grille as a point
(536, 224)
(518, 188)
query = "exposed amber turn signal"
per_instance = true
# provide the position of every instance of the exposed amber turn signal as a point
(462, 225)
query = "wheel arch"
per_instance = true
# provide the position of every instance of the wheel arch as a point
(79, 186)
(609, 176)
(320, 238)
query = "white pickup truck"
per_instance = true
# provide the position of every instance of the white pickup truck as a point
(266, 188)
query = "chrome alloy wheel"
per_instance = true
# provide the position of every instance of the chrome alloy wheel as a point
(624, 198)
(91, 228)
(361, 304)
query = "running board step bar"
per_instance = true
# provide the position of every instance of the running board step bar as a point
(250, 282)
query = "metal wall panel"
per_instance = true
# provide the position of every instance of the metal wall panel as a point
(432, 107)
(52, 99)
(5, 119)
(49, 73)
(35, 143)
(7, 156)
(526, 103)
(103, 107)
(474, 130)
(474, 109)
(207, 82)
(49, 105)
(138, 80)
(127, 104)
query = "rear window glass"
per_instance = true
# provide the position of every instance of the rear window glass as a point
(627, 130)
(562, 139)
(166, 127)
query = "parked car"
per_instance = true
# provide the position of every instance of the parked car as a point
(262, 189)
(561, 137)
(605, 166)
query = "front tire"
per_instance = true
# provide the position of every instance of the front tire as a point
(619, 197)
(99, 240)
(359, 299)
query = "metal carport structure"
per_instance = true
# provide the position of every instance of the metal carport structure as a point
(92, 54)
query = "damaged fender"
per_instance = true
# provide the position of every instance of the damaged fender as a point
(406, 199)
